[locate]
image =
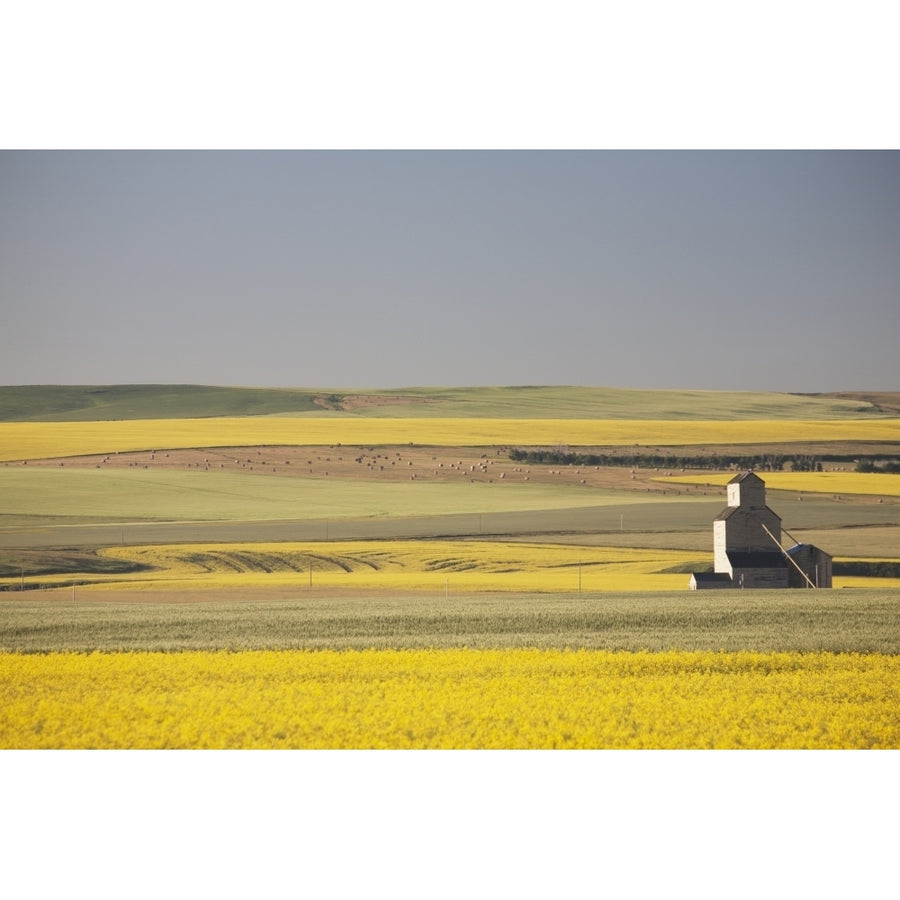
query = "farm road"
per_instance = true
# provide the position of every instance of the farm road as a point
(642, 517)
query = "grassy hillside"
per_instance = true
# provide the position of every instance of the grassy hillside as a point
(103, 495)
(552, 402)
(61, 403)
(76, 403)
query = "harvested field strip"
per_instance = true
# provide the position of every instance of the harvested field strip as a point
(49, 440)
(247, 618)
(834, 483)
(17, 563)
(450, 699)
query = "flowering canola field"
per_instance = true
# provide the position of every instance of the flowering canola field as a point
(872, 483)
(48, 440)
(398, 699)
(428, 565)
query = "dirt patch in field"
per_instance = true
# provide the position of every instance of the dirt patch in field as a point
(388, 463)
(415, 463)
(363, 401)
(886, 402)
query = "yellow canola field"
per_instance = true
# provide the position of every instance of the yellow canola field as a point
(426, 566)
(452, 699)
(420, 565)
(835, 483)
(47, 440)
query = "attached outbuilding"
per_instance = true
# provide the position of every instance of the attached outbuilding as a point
(811, 562)
(707, 580)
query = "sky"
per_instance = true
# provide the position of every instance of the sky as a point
(743, 270)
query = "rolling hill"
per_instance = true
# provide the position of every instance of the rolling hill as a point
(73, 403)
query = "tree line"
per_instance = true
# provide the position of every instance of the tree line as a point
(760, 462)
(868, 465)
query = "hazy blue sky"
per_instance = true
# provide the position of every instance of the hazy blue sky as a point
(732, 270)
